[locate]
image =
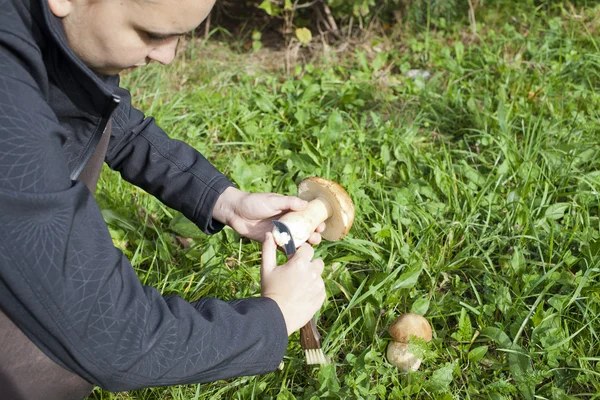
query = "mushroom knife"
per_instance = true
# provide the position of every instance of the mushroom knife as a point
(289, 247)
(310, 339)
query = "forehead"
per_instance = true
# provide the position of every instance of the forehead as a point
(169, 15)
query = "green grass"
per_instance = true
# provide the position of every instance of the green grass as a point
(477, 199)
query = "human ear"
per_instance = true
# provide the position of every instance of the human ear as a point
(60, 8)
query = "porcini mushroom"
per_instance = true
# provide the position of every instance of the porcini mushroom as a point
(398, 354)
(401, 330)
(327, 202)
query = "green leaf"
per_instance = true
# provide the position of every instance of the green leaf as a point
(385, 154)
(113, 218)
(304, 35)
(328, 378)
(250, 177)
(409, 278)
(310, 150)
(502, 299)
(517, 261)
(498, 388)
(557, 211)
(311, 93)
(368, 315)
(302, 162)
(465, 329)
(335, 125)
(477, 353)
(256, 35)
(459, 49)
(380, 61)
(497, 335)
(441, 379)
(558, 301)
(420, 306)
(522, 371)
(472, 105)
(520, 365)
(184, 227)
(208, 255)
(504, 168)
(362, 59)
(471, 174)
(302, 116)
(264, 103)
(269, 8)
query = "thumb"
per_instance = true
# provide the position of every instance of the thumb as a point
(288, 203)
(269, 254)
(296, 203)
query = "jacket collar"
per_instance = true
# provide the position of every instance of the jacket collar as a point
(88, 78)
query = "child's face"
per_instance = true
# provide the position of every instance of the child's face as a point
(113, 35)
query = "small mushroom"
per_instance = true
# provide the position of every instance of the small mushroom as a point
(401, 330)
(410, 324)
(327, 202)
(398, 354)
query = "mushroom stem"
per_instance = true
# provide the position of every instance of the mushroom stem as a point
(303, 223)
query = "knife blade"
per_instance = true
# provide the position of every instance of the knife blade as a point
(289, 247)
(310, 339)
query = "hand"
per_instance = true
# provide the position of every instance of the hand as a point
(297, 286)
(250, 214)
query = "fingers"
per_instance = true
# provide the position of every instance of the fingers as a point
(304, 253)
(295, 203)
(269, 253)
(318, 265)
(314, 238)
(284, 204)
(320, 228)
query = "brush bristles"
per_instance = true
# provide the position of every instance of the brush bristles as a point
(315, 356)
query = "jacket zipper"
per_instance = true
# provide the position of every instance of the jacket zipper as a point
(111, 105)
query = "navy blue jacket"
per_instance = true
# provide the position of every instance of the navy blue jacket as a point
(61, 279)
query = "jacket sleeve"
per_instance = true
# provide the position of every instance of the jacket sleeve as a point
(74, 294)
(169, 169)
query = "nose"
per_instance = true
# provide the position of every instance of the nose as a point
(164, 53)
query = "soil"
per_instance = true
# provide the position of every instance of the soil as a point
(240, 18)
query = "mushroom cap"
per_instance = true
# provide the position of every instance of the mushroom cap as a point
(340, 222)
(398, 355)
(410, 324)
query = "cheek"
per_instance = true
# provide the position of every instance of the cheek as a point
(115, 42)
(125, 49)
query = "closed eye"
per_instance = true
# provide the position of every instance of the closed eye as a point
(157, 38)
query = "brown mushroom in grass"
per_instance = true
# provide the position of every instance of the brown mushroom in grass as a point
(327, 202)
(398, 355)
(401, 330)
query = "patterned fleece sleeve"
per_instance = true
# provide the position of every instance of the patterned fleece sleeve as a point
(76, 296)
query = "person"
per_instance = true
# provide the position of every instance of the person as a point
(73, 312)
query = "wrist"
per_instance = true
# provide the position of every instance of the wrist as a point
(280, 305)
(224, 209)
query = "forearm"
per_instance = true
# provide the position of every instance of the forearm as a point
(87, 308)
(169, 169)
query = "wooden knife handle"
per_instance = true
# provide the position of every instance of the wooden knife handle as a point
(309, 336)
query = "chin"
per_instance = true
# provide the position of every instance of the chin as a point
(115, 70)
(132, 68)
(108, 71)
